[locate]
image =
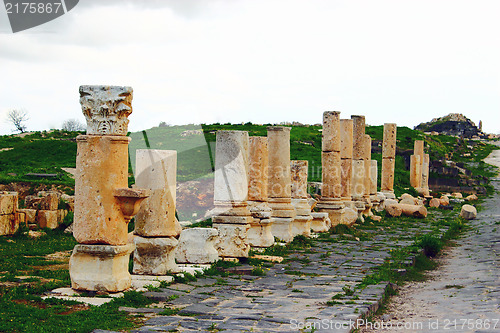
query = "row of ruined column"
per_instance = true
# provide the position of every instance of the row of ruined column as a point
(259, 194)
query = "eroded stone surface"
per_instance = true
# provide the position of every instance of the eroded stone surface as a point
(231, 166)
(100, 267)
(47, 219)
(468, 212)
(156, 170)
(298, 170)
(233, 240)
(197, 246)
(155, 255)
(106, 109)
(258, 169)
(260, 232)
(8, 202)
(331, 131)
(279, 162)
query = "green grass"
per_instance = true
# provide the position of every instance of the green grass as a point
(21, 306)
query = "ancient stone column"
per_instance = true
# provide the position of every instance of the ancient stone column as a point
(260, 233)
(358, 164)
(103, 203)
(416, 164)
(301, 224)
(231, 193)
(331, 190)
(346, 143)
(367, 157)
(376, 197)
(280, 182)
(425, 175)
(156, 227)
(388, 160)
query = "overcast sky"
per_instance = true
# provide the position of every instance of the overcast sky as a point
(204, 61)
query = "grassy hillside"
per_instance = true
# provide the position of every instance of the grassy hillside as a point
(48, 152)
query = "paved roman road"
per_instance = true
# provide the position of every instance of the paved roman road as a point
(463, 295)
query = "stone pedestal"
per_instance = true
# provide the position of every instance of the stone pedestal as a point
(282, 228)
(231, 193)
(280, 187)
(100, 267)
(197, 246)
(260, 233)
(320, 222)
(233, 239)
(155, 255)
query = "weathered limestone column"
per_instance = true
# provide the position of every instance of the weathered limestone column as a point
(331, 191)
(231, 193)
(280, 186)
(156, 228)
(103, 203)
(260, 233)
(416, 163)
(358, 164)
(301, 224)
(376, 198)
(425, 175)
(346, 143)
(367, 157)
(388, 160)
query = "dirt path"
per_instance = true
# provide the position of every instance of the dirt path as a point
(463, 295)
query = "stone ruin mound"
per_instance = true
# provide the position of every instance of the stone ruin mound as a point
(454, 124)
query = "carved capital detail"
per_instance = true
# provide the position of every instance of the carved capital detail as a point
(106, 109)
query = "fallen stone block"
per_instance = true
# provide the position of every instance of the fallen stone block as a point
(457, 195)
(8, 224)
(414, 210)
(435, 202)
(197, 246)
(350, 216)
(47, 219)
(471, 197)
(29, 213)
(393, 210)
(50, 201)
(468, 212)
(8, 202)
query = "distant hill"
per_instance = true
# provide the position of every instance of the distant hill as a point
(454, 124)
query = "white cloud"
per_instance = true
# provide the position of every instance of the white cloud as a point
(262, 61)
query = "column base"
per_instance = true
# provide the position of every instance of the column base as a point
(100, 267)
(282, 229)
(260, 233)
(282, 207)
(259, 209)
(233, 239)
(301, 225)
(197, 246)
(155, 255)
(301, 206)
(334, 208)
(320, 222)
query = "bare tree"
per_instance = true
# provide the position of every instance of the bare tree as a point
(18, 118)
(73, 125)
